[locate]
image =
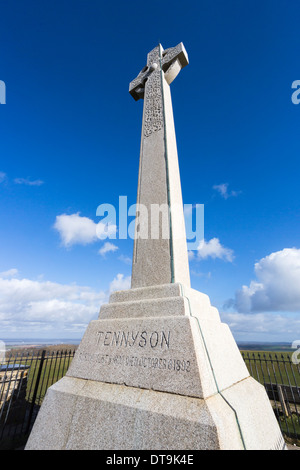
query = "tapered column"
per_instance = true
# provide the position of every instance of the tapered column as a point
(160, 250)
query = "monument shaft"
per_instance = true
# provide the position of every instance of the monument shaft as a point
(160, 252)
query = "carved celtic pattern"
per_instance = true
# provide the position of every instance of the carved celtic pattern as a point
(153, 108)
(171, 53)
(153, 56)
(136, 81)
(174, 53)
(148, 84)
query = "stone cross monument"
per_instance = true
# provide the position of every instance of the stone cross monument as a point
(157, 369)
(160, 260)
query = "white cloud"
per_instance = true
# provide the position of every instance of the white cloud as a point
(263, 326)
(75, 229)
(9, 273)
(2, 176)
(27, 306)
(107, 247)
(28, 182)
(37, 308)
(214, 249)
(277, 287)
(120, 283)
(223, 190)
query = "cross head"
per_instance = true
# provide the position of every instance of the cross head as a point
(170, 61)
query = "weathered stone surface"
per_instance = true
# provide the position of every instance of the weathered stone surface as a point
(54, 420)
(198, 303)
(151, 353)
(145, 308)
(255, 416)
(105, 416)
(149, 292)
(93, 416)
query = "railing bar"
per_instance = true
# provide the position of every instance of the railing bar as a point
(36, 361)
(32, 378)
(250, 365)
(273, 391)
(49, 382)
(28, 364)
(293, 401)
(64, 363)
(293, 396)
(257, 372)
(296, 387)
(271, 382)
(56, 370)
(39, 398)
(279, 370)
(35, 390)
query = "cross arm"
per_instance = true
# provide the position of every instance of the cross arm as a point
(172, 61)
(137, 86)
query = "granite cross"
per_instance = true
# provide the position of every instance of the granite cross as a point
(159, 259)
(172, 60)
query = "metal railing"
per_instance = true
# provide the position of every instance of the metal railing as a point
(25, 378)
(281, 379)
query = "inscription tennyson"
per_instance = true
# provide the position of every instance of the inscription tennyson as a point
(141, 339)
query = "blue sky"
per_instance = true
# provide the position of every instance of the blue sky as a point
(70, 137)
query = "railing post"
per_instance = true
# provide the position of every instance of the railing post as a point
(282, 401)
(35, 390)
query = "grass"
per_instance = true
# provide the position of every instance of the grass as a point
(54, 368)
(275, 367)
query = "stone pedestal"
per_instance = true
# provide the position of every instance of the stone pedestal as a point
(157, 370)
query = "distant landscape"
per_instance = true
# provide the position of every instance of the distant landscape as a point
(257, 346)
(34, 344)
